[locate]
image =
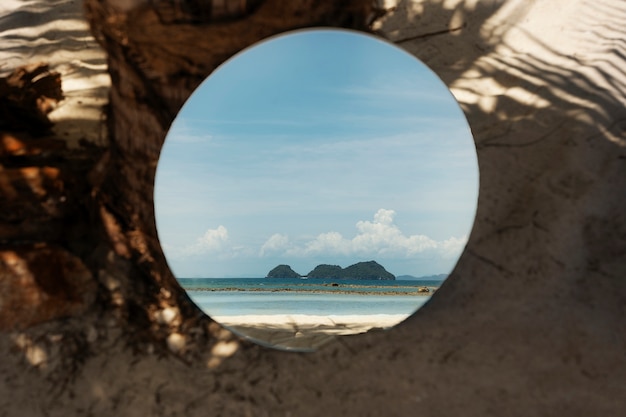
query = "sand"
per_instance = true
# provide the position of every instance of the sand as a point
(305, 332)
(55, 32)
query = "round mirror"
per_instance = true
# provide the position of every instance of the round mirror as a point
(320, 183)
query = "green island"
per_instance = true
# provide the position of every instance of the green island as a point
(370, 270)
(333, 279)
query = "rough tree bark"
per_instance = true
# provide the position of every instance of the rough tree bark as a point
(531, 321)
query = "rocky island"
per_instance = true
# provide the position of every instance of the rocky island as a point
(370, 270)
(283, 271)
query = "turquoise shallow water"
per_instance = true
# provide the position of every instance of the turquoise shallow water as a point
(234, 303)
(260, 296)
(286, 284)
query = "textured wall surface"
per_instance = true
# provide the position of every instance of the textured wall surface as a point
(532, 321)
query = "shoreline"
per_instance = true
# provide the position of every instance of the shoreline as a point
(287, 321)
(415, 291)
(303, 331)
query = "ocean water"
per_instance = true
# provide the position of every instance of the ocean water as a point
(315, 297)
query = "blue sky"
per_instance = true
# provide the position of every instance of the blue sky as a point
(319, 146)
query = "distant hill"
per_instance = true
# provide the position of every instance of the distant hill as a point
(370, 270)
(283, 271)
(438, 277)
(326, 271)
(367, 270)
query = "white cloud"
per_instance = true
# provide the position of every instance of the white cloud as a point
(452, 247)
(275, 243)
(212, 241)
(380, 237)
(331, 242)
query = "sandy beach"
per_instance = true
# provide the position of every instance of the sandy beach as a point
(304, 332)
(296, 315)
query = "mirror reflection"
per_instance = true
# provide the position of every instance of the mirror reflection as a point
(320, 183)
